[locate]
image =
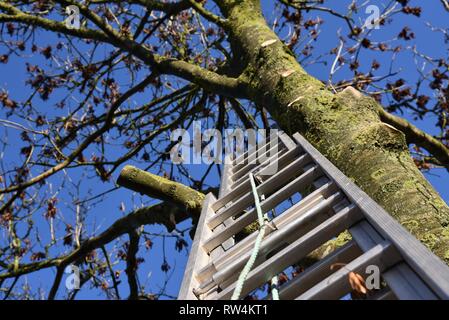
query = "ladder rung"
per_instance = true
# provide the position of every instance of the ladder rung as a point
(406, 285)
(257, 160)
(273, 160)
(428, 266)
(384, 295)
(410, 270)
(239, 189)
(266, 187)
(337, 285)
(365, 235)
(287, 141)
(296, 251)
(244, 220)
(268, 167)
(250, 151)
(318, 271)
(303, 223)
(280, 221)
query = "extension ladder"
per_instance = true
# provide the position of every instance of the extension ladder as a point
(318, 203)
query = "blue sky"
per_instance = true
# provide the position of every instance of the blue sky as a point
(102, 213)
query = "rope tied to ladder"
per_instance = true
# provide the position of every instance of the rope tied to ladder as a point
(263, 223)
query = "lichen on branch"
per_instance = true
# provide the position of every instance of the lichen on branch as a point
(161, 188)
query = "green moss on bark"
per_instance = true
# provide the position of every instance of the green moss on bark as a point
(345, 127)
(162, 188)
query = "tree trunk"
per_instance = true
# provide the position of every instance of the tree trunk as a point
(345, 127)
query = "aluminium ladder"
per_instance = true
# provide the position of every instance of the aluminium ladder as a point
(331, 204)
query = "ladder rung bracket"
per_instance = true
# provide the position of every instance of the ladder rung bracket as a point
(336, 285)
(240, 160)
(280, 221)
(255, 161)
(296, 251)
(226, 245)
(406, 285)
(268, 167)
(429, 267)
(269, 163)
(266, 205)
(238, 190)
(278, 239)
(318, 271)
(266, 187)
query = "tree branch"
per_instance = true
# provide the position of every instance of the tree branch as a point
(131, 265)
(158, 187)
(16, 15)
(248, 120)
(56, 282)
(106, 126)
(418, 137)
(298, 5)
(209, 80)
(167, 7)
(111, 272)
(208, 15)
(163, 213)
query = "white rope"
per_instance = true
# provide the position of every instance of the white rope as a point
(274, 288)
(250, 263)
(262, 225)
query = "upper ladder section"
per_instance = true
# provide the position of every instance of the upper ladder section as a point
(308, 202)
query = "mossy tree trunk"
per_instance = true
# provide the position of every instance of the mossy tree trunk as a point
(345, 127)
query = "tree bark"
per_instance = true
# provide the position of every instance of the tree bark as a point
(161, 188)
(345, 127)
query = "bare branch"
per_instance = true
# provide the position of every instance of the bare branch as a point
(418, 137)
(131, 265)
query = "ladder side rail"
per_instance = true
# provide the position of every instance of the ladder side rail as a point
(296, 250)
(226, 181)
(427, 265)
(198, 258)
